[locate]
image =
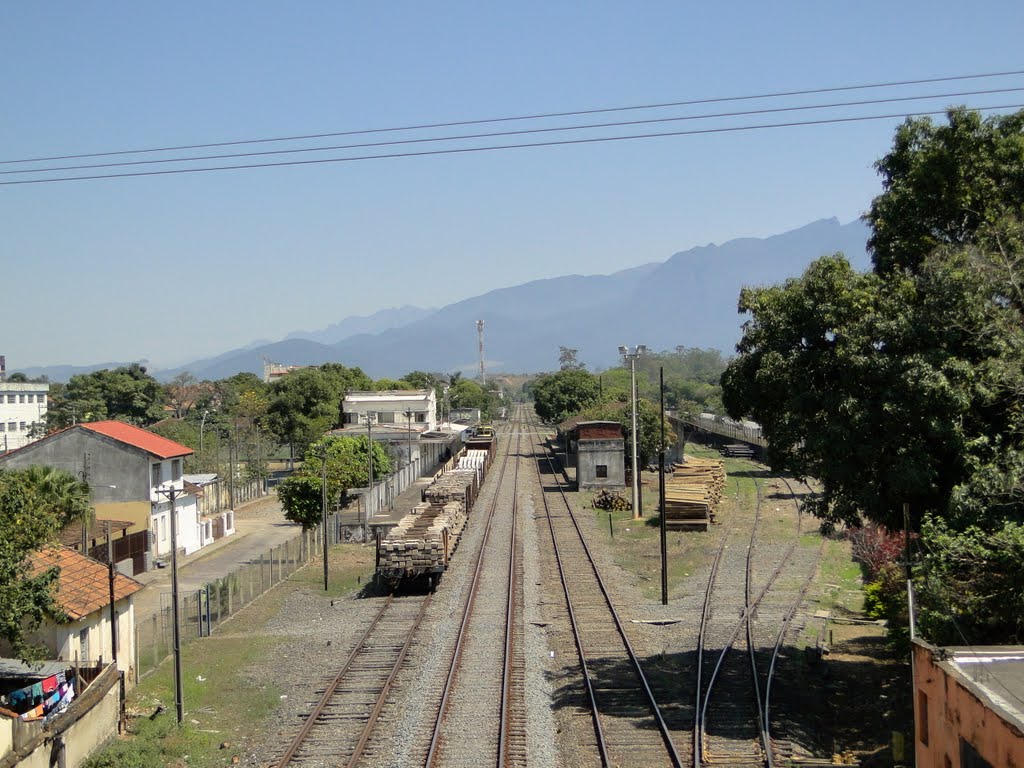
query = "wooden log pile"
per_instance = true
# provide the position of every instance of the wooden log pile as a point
(458, 485)
(693, 493)
(418, 542)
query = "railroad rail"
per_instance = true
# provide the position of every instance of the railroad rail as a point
(487, 689)
(628, 724)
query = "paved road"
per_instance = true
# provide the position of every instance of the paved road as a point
(259, 526)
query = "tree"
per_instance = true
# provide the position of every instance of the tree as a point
(181, 393)
(567, 359)
(897, 385)
(347, 466)
(60, 492)
(560, 395)
(27, 523)
(128, 394)
(943, 184)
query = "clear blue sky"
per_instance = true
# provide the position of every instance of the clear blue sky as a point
(170, 268)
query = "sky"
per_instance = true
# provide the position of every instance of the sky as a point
(173, 267)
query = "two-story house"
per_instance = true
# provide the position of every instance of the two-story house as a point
(132, 473)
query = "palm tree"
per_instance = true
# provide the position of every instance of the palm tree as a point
(62, 492)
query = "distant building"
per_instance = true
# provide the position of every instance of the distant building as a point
(274, 371)
(22, 413)
(397, 408)
(969, 706)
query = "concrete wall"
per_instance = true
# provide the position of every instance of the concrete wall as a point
(948, 707)
(64, 641)
(88, 723)
(591, 453)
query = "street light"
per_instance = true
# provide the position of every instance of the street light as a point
(638, 350)
(172, 493)
(408, 420)
(369, 452)
(202, 425)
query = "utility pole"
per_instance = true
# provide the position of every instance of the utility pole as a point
(323, 457)
(172, 494)
(408, 419)
(110, 579)
(661, 492)
(638, 350)
(369, 453)
(480, 336)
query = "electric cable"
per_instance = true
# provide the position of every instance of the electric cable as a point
(480, 121)
(520, 132)
(493, 148)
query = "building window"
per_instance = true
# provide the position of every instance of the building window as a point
(602, 470)
(387, 417)
(21, 398)
(157, 474)
(3, 427)
(922, 717)
(421, 417)
(969, 756)
(23, 426)
(176, 469)
(12, 426)
(12, 398)
(83, 643)
(41, 399)
(163, 529)
(31, 398)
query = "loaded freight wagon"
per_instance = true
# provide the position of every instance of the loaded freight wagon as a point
(423, 542)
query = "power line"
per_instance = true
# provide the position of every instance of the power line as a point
(520, 132)
(542, 116)
(494, 148)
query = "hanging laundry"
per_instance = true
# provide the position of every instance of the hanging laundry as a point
(49, 685)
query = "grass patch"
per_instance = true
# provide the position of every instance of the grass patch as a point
(222, 703)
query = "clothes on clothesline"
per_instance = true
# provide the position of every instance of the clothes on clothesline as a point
(41, 699)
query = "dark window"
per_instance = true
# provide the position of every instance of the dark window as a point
(421, 417)
(176, 469)
(157, 474)
(602, 470)
(969, 757)
(922, 717)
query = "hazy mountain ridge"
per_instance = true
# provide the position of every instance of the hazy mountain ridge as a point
(689, 300)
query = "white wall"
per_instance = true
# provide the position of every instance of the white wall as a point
(21, 406)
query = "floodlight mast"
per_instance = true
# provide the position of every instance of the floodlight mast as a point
(638, 350)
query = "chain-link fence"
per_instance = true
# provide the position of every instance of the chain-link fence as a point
(201, 611)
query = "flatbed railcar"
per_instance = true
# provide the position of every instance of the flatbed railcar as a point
(423, 542)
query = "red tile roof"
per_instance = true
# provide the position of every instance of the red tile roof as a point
(83, 586)
(139, 438)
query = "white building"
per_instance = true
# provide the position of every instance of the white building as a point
(414, 409)
(22, 411)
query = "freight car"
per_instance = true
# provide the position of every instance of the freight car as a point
(422, 543)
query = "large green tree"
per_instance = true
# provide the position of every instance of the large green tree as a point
(563, 394)
(906, 384)
(28, 522)
(128, 394)
(347, 466)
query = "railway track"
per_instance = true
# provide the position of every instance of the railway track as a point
(628, 725)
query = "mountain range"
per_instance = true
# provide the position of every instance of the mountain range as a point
(688, 300)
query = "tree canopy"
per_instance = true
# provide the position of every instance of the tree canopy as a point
(28, 521)
(128, 394)
(906, 384)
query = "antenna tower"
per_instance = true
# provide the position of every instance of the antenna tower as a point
(480, 335)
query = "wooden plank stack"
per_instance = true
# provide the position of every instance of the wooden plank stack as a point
(417, 543)
(458, 485)
(693, 493)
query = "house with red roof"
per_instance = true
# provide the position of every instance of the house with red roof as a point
(133, 474)
(83, 592)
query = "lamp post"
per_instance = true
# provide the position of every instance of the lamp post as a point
(632, 355)
(408, 421)
(369, 453)
(172, 494)
(323, 458)
(202, 426)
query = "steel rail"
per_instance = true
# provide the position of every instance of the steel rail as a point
(751, 651)
(662, 726)
(510, 616)
(698, 725)
(435, 738)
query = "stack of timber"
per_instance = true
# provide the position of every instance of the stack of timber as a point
(693, 493)
(474, 459)
(458, 485)
(738, 451)
(423, 541)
